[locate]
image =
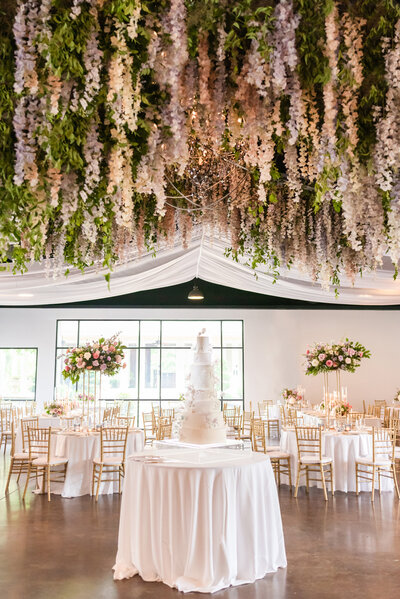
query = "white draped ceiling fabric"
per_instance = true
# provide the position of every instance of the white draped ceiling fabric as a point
(204, 259)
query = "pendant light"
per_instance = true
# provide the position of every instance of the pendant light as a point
(195, 294)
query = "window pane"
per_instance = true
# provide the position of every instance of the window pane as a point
(149, 374)
(150, 333)
(91, 330)
(67, 333)
(183, 333)
(232, 373)
(124, 384)
(174, 369)
(18, 373)
(232, 333)
(64, 387)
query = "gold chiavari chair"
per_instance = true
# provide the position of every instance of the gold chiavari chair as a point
(155, 410)
(262, 405)
(164, 428)
(6, 422)
(20, 460)
(168, 412)
(233, 423)
(280, 460)
(41, 460)
(289, 418)
(387, 417)
(381, 462)
(246, 430)
(128, 421)
(112, 457)
(149, 436)
(107, 416)
(310, 459)
(354, 416)
(272, 424)
(394, 425)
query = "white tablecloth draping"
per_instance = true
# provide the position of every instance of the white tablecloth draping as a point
(344, 448)
(200, 521)
(81, 449)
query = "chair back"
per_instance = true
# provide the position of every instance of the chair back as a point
(128, 421)
(26, 423)
(6, 419)
(39, 441)
(168, 412)
(383, 444)
(113, 441)
(164, 428)
(308, 441)
(259, 435)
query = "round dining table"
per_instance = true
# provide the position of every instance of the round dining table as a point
(199, 521)
(80, 448)
(344, 448)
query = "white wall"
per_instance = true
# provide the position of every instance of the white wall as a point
(274, 343)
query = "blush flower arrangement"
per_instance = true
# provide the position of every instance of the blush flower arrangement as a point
(291, 396)
(55, 409)
(105, 356)
(344, 356)
(343, 408)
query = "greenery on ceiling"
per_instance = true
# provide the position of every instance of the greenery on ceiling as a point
(271, 124)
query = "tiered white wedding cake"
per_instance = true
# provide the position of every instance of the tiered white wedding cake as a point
(202, 418)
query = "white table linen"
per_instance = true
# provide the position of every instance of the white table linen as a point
(200, 521)
(80, 449)
(344, 449)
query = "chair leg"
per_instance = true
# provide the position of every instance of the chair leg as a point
(307, 480)
(27, 480)
(98, 481)
(332, 479)
(48, 483)
(357, 489)
(323, 481)
(93, 475)
(9, 476)
(20, 472)
(297, 479)
(373, 484)
(289, 474)
(396, 484)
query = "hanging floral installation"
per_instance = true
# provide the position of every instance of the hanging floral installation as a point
(274, 125)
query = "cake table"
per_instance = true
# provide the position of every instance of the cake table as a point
(199, 521)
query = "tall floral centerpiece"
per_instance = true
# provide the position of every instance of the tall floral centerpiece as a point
(90, 362)
(335, 358)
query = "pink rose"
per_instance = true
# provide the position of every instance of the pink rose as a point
(67, 369)
(329, 363)
(89, 368)
(103, 367)
(95, 363)
(360, 353)
(96, 354)
(124, 365)
(118, 359)
(112, 348)
(108, 358)
(105, 347)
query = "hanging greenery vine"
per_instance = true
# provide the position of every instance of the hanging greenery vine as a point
(273, 125)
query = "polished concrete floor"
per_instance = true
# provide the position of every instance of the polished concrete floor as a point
(346, 548)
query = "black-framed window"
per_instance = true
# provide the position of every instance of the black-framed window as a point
(18, 373)
(158, 355)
